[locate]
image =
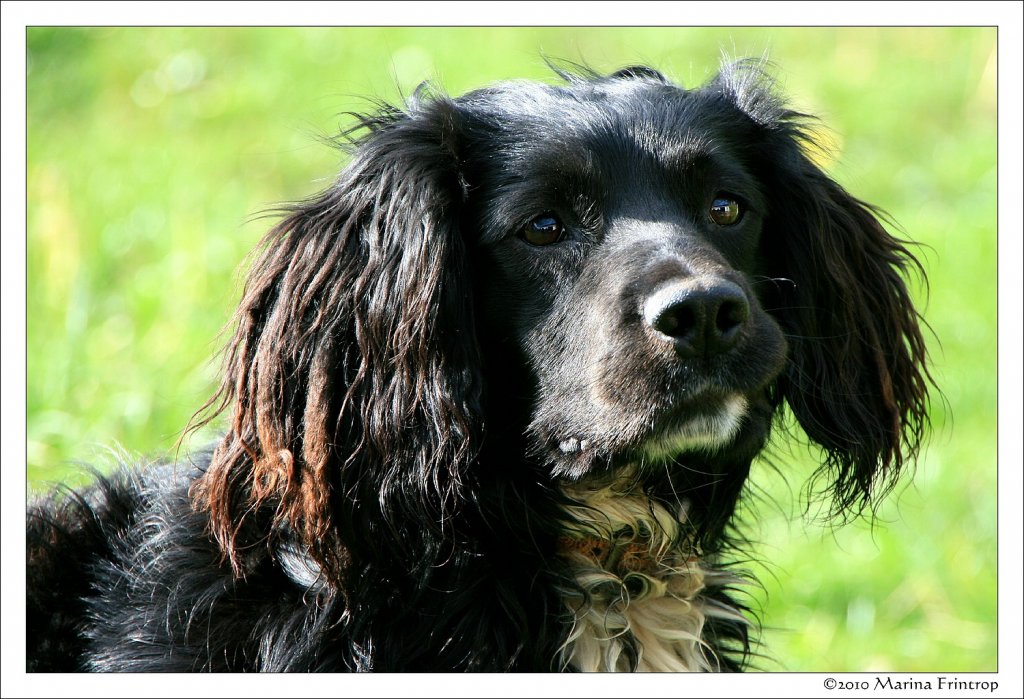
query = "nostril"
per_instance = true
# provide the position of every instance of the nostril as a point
(732, 314)
(675, 320)
(678, 314)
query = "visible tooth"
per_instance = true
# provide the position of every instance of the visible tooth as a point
(569, 445)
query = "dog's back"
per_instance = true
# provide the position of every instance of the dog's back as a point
(90, 553)
(124, 576)
(69, 535)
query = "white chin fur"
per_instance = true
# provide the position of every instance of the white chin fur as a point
(705, 433)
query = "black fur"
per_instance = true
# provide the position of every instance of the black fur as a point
(519, 288)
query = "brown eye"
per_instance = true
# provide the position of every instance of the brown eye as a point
(725, 211)
(546, 229)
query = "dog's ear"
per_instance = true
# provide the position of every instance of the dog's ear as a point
(857, 378)
(352, 378)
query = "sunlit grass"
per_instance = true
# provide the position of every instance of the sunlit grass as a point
(151, 150)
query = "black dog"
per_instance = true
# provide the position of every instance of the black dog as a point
(494, 396)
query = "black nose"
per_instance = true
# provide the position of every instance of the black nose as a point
(701, 317)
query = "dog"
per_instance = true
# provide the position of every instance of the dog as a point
(493, 397)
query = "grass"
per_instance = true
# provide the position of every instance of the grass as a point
(151, 149)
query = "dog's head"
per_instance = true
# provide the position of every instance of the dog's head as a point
(621, 224)
(611, 273)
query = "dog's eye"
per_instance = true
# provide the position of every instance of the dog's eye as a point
(725, 211)
(546, 229)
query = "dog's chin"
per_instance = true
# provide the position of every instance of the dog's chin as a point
(704, 428)
(706, 431)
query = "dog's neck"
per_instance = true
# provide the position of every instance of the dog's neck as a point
(635, 593)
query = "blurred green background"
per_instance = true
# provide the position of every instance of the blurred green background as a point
(151, 150)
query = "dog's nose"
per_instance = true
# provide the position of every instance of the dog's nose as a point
(701, 317)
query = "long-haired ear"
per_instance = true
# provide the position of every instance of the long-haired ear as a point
(352, 377)
(857, 378)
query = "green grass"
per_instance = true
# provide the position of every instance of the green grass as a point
(150, 150)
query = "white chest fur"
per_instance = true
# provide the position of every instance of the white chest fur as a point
(638, 587)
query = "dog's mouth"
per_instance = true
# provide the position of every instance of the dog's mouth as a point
(704, 424)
